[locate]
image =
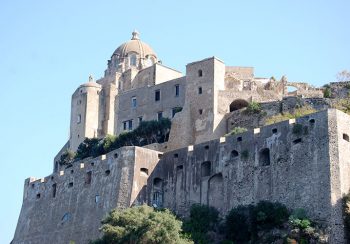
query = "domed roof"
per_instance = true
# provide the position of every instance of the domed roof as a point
(134, 45)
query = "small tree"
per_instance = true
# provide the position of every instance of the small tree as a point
(141, 224)
(66, 157)
(253, 108)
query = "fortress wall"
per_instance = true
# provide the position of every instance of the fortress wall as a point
(298, 174)
(76, 211)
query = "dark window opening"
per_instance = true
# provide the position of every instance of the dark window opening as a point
(346, 137)
(159, 115)
(179, 167)
(88, 178)
(54, 188)
(107, 172)
(200, 91)
(205, 169)
(234, 154)
(177, 90)
(157, 95)
(72, 171)
(92, 164)
(206, 147)
(274, 131)
(200, 111)
(264, 157)
(160, 155)
(144, 171)
(33, 185)
(176, 155)
(312, 121)
(116, 155)
(297, 141)
(38, 196)
(70, 184)
(200, 73)
(239, 138)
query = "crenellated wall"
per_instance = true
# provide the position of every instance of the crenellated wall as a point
(69, 205)
(293, 162)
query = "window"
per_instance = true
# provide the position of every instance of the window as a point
(346, 137)
(79, 119)
(54, 188)
(88, 178)
(200, 91)
(239, 138)
(157, 95)
(66, 217)
(205, 169)
(159, 115)
(127, 125)
(234, 154)
(133, 102)
(274, 131)
(144, 171)
(176, 155)
(200, 111)
(133, 59)
(264, 157)
(107, 172)
(70, 185)
(38, 196)
(97, 198)
(177, 90)
(200, 73)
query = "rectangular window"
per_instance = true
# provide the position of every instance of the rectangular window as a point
(157, 95)
(133, 102)
(79, 119)
(200, 90)
(140, 119)
(177, 90)
(130, 125)
(160, 115)
(125, 124)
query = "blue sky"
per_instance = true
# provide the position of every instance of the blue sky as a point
(48, 48)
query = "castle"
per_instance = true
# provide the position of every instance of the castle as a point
(199, 163)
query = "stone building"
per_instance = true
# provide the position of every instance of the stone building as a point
(198, 164)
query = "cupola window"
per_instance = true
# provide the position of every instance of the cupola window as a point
(133, 59)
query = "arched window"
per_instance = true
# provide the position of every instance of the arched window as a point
(234, 154)
(205, 169)
(200, 73)
(133, 59)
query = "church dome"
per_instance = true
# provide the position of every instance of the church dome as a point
(135, 45)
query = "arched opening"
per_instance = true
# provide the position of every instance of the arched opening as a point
(238, 104)
(264, 157)
(133, 59)
(157, 198)
(234, 154)
(144, 171)
(215, 191)
(205, 169)
(200, 73)
(292, 90)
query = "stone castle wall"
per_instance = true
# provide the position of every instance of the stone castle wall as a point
(69, 205)
(271, 163)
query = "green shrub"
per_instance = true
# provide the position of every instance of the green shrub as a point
(146, 133)
(346, 214)
(141, 224)
(327, 93)
(67, 157)
(238, 226)
(202, 219)
(253, 108)
(267, 215)
(237, 130)
(299, 219)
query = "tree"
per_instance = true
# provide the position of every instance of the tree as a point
(343, 76)
(141, 224)
(66, 157)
